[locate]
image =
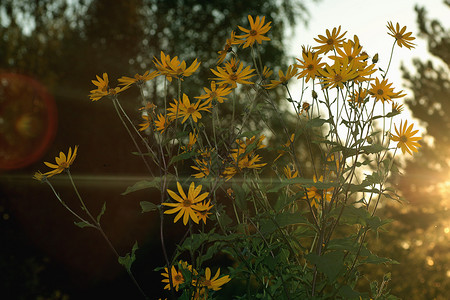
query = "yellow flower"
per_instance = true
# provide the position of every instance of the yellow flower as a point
(187, 205)
(397, 107)
(289, 173)
(248, 141)
(177, 278)
(350, 50)
(232, 77)
(39, 176)
(162, 123)
(215, 93)
(103, 88)
(402, 38)
(138, 79)
(255, 33)
(233, 63)
(174, 68)
(203, 213)
(185, 109)
(149, 107)
(163, 65)
(101, 83)
(285, 147)
(383, 91)
(179, 70)
(202, 166)
(331, 41)
(333, 160)
(192, 140)
(242, 162)
(227, 48)
(305, 107)
(405, 138)
(316, 195)
(338, 74)
(364, 70)
(267, 72)
(291, 72)
(310, 65)
(62, 162)
(358, 97)
(215, 283)
(146, 123)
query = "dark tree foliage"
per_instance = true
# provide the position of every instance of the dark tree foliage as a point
(63, 44)
(419, 238)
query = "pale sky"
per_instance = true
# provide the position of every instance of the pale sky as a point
(368, 20)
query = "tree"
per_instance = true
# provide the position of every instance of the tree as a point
(420, 238)
(64, 44)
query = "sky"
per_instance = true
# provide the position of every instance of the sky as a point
(368, 20)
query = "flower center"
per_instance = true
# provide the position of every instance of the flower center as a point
(403, 139)
(187, 203)
(330, 41)
(305, 106)
(253, 32)
(380, 92)
(283, 79)
(399, 36)
(233, 77)
(337, 78)
(64, 165)
(213, 95)
(178, 278)
(190, 110)
(310, 67)
(207, 283)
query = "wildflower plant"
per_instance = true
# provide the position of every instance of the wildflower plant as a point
(295, 219)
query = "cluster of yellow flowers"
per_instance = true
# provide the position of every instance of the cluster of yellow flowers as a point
(349, 65)
(201, 285)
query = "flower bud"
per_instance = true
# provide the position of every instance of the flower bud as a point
(375, 59)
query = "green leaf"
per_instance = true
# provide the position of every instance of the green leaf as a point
(346, 292)
(392, 113)
(317, 122)
(102, 212)
(374, 259)
(375, 222)
(182, 156)
(374, 148)
(143, 184)
(347, 243)
(241, 192)
(148, 206)
(330, 263)
(353, 215)
(83, 224)
(128, 259)
(281, 220)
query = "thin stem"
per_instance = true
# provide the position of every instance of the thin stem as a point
(132, 137)
(100, 229)
(390, 59)
(67, 207)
